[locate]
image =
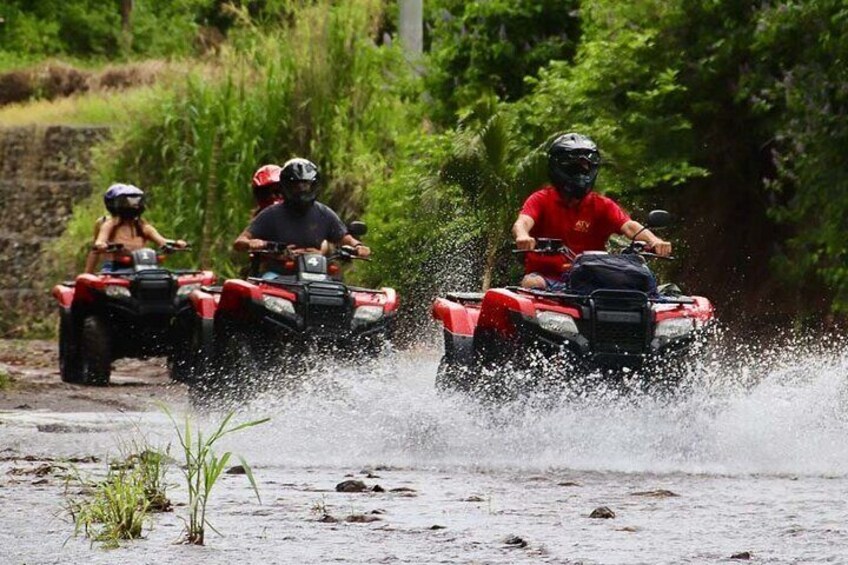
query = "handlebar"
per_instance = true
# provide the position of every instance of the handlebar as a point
(168, 247)
(278, 248)
(548, 246)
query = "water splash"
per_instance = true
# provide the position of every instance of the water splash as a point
(782, 410)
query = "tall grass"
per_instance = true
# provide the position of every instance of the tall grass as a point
(319, 88)
(202, 469)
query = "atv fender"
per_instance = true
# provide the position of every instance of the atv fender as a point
(204, 304)
(237, 297)
(497, 313)
(64, 295)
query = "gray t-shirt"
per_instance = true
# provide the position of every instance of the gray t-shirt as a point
(280, 224)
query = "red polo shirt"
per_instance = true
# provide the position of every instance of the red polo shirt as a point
(583, 226)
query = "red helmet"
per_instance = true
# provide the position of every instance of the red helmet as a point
(266, 175)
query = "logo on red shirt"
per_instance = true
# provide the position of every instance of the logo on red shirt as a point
(582, 226)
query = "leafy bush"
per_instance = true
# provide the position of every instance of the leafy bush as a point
(327, 93)
(488, 48)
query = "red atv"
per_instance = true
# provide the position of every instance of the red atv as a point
(612, 318)
(129, 312)
(248, 327)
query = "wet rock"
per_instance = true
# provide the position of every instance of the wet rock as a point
(237, 470)
(403, 489)
(327, 519)
(377, 511)
(362, 518)
(473, 498)
(515, 541)
(744, 556)
(630, 529)
(661, 493)
(602, 512)
(40, 482)
(377, 488)
(351, 486)
(568, 484)
(438, 527)
(23, 407)
(88, 459)
(64, 429)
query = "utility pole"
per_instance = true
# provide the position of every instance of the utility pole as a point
(411, 28)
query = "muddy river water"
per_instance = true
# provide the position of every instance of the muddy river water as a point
(752, 458)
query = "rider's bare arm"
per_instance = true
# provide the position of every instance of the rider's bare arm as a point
(521, 230)
(246, 242)
(102, 239)
(659, 246)
(152, 234)
(361, 249)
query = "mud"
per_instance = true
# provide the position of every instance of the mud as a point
(33, 369)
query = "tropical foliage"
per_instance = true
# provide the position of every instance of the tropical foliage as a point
(730, 113)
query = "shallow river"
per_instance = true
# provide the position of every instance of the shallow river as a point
(756, 452)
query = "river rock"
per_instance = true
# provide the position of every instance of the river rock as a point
(602, 512)
(237, 470)
(351, 486)
(744, 555)
(661, 493)
(362, 518)
(515, 541)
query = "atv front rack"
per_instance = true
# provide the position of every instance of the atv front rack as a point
(584, 297)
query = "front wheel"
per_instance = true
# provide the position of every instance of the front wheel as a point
(95, 352)
(452, 376)
(70, 368)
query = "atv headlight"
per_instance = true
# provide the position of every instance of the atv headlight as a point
(368, 314)
(560, 324)
(675, 327)
(117, 291)
(278, 305)
(187, 289)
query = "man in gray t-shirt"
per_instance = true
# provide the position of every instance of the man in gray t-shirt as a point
(300, 222)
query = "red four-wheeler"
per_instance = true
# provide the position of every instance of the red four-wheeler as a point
(611, 319)
(128, 312)
(250, 326)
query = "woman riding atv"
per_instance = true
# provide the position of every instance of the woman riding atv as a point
(570, 211)
(124, 227)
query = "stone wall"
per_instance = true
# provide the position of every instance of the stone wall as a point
(44, 171)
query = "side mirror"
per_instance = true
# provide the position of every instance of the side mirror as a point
(658, 219)
(357, 229)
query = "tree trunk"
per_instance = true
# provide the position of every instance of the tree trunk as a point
(207, 235)
(126, 25)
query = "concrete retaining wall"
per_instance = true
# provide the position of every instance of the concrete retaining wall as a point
(44, 171)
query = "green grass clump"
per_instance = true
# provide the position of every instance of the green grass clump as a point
(118, 507)
(202, 468)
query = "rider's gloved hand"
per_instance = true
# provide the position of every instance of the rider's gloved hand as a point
(525, 243)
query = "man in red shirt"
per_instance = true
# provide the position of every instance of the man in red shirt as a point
(569, 210)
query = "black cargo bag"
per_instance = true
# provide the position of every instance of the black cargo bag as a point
(592, 272)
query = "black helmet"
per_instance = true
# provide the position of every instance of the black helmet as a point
(299, 182)
(573, 162)
(124, 200)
